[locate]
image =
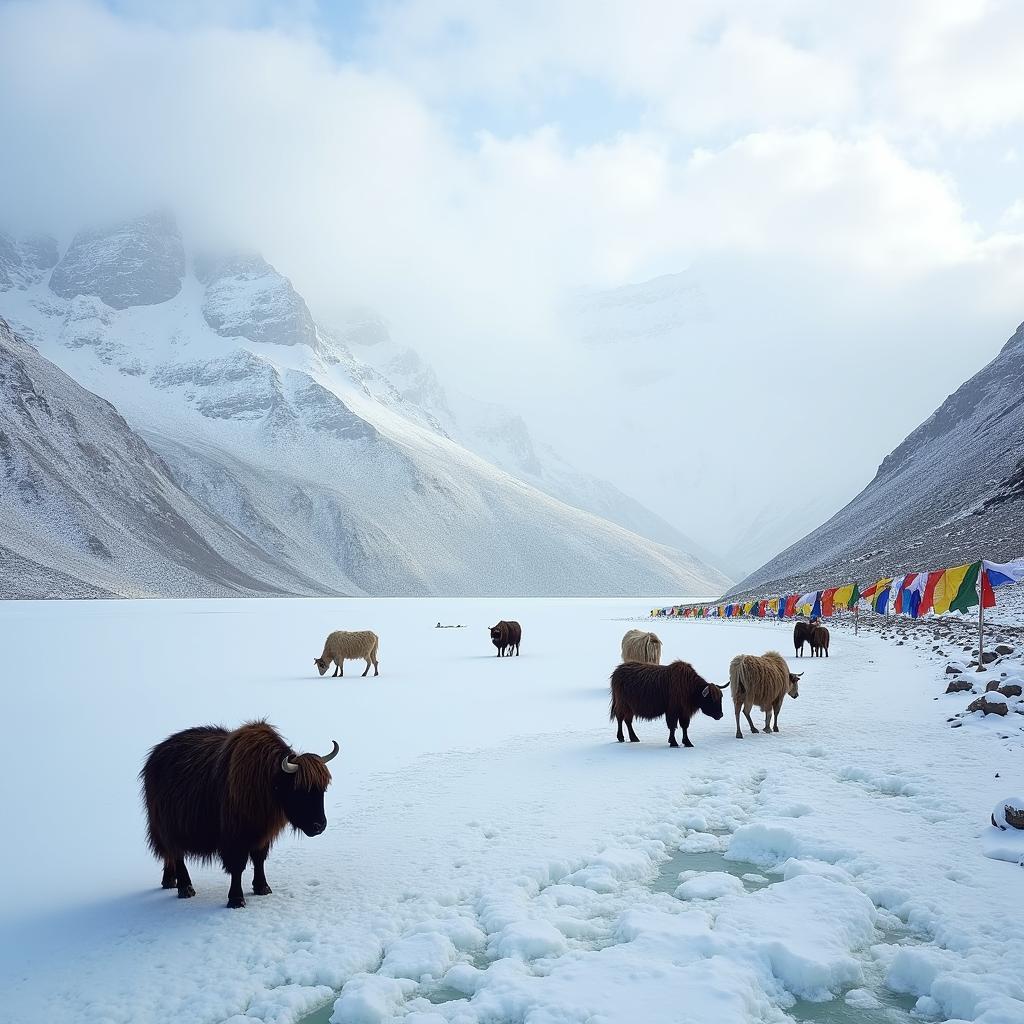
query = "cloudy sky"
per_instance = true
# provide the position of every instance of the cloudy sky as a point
(839, 186)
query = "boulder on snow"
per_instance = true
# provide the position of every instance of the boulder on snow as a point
(954, 669)
(1003, 649)
(988, 657)
(991, 685)
(1011, 689)
(987, 706)
(958, 686)
(1009, 813)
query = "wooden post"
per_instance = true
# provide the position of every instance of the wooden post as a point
(856, 619)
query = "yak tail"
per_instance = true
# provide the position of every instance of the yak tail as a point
(611, 707)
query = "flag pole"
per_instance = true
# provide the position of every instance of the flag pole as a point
(981, 616)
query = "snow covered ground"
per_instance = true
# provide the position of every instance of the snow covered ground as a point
(492, 854)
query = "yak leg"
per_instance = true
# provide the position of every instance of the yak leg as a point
(234, 862)
(185, 890)
(686, 734)
(778, 707)
(517, 650)
(633, 738)
(746, 713)
(366, 671)
(376, 670)
(618, 735)
(739, 732)
(672, 722)
(259, 878)
(337, 670)
(170, 877)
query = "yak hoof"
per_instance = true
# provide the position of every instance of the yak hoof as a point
(169, 883)
(261, 890)
(621, 739)
(672, 743)
(754, 729)
(775, 728)
(185, 892)
(739, 735)
(235, 902)
(634, 739)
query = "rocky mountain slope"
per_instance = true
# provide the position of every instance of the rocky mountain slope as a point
(88, 509)
(952, 492)
(280, 436)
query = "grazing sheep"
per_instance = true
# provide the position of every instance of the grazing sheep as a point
(341, 646)
(762, 680)
(506, 635)
(643, 647)
(649, 691)
(819, 641)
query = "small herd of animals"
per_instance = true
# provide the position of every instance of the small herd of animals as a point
(211, 793)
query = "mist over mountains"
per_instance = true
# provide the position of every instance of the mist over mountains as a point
(295, 457)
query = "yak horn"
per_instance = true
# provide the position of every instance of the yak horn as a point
(333, 754)
(725, 686)
(287, 766)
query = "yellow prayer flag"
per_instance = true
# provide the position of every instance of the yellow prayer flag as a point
(948, 587)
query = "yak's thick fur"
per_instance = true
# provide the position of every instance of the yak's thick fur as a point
(819, 641)
(802, 633)
(506, 636)
(649, 691)
(214, 793)
(640, 646)
(762, 680)
(341, 646)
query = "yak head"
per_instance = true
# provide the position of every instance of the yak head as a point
(710, 701)
(322, 665)
(794, 689)
(495, 633)
(300, 786)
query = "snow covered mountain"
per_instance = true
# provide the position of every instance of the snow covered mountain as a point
(397, 375)
(324, 477)
(89, 510)
(952, 492)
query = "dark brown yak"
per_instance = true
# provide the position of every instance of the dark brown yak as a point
(819, 641)
(802, 633)
(649, 691)
(213, 793)
(505, 636)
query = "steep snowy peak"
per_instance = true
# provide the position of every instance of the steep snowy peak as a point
(639, 313)
(138, 263)
(247, 298)
(25, 261)
(952, 492)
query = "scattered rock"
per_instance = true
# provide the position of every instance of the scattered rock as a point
(987, 707)
(953, 669)
(1011, 689)
(992, 684)
(959, 686)
(957, 725)
(1009, 813)
(988, 657)
(1003, 649)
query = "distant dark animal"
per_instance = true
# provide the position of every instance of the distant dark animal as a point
(762, 680)
(341, 646)
(214, 793)
(640, 646)
(802, 633)
(819, 641)
(505, 636)
(649, 691)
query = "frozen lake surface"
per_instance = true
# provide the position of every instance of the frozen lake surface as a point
(492, 854)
